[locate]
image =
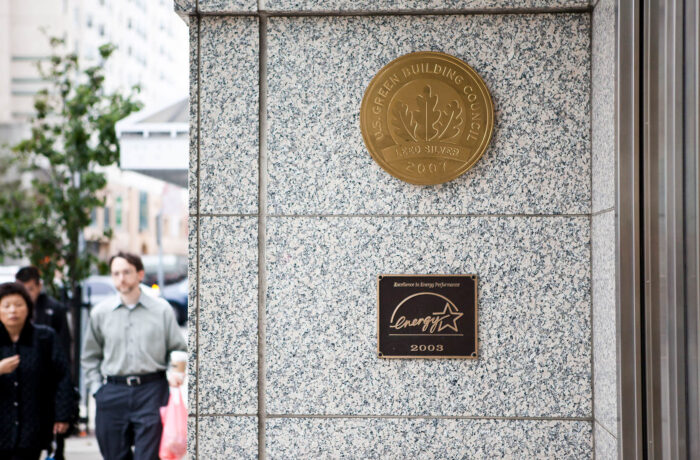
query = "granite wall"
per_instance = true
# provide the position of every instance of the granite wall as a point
(291, 222)
(603, 221)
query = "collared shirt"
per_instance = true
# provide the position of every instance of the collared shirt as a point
(120, 341)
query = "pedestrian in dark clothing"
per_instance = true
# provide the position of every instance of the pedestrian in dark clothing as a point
(48, 312)
(36, 399)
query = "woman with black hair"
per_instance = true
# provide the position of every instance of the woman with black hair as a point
(35, 387)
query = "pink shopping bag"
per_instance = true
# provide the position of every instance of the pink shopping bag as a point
(173, 442)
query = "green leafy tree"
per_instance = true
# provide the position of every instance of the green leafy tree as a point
(17, 211)
(72, 136)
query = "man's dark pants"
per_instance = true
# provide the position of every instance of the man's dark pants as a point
(130, 415)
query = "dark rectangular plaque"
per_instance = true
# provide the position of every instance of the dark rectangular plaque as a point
(427, 316)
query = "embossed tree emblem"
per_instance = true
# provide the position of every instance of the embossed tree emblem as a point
(427, 117)
(429, 122)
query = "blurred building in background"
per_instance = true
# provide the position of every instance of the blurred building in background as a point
(146, 32)
(133, 203)
(155, 142)
(152, 52)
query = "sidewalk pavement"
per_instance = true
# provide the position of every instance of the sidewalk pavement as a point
(78, 448)
(82, 448)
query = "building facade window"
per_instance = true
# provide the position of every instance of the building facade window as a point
(107, 218)
(143, 211)
(118, 212)
(93, 218)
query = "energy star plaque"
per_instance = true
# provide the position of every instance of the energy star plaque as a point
(427, 316)
(427, 117)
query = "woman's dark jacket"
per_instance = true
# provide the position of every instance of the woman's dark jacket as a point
(37, 393)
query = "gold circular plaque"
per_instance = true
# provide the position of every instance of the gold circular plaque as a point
(426, 117)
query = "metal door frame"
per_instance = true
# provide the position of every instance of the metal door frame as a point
(657, 128)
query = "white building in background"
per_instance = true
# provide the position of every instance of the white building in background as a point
(21, 48)
(152, 51)
(147, 33)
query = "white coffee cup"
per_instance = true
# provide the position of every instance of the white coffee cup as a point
(178, 359)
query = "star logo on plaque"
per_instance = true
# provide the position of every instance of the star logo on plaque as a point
(450, 312)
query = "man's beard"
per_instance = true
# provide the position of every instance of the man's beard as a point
(127, 290)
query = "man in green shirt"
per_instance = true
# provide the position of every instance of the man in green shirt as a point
(125, 355)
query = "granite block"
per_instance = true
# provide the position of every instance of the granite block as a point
(404, 5)
(227, 6)
(228, 437)
(192, 255)
(191, 438)
(228, 316)
(229, 115)
(401, 439)
(605, 444)
(192, 329)
(604, 320)
(185, 6)
(193, 173)
(537, 68)
(192, 359)
(603, 105)
(534, 316)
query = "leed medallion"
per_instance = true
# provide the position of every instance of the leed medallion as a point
(427, 118)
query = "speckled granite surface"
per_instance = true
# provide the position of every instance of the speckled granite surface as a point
(192, 316)
(192, 179)
(184, 6)
(603, 105)
(535, 272)
(605, 444)
(604, 326)
(228, 438)
(227, 6)
(191, 438)
(401, 439)
(537, 68)
(228, 316)
(243, 6)
(192, 358)
(192, 263)
(229, 115)
(392, 5)
(603, 228)
(534, 316)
